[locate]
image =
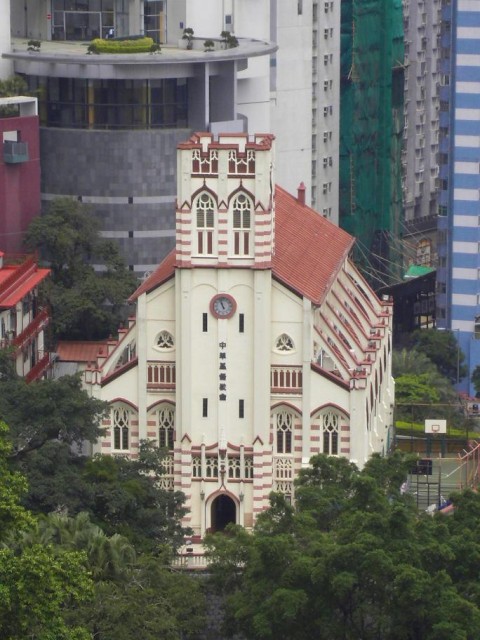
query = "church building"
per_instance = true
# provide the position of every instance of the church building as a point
(255, 344)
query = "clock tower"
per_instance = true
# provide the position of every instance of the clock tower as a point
(225, 241)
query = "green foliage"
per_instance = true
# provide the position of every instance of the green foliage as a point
(48, 410)
(37, 582)
(131, 592)
(353, 559)
(34, 45)
(14, 86)
(421, 391)
(442, 349)
(121, 496)
(138, 45)
(188, 36)
(209, 45)
(475, 378)
(85, 304)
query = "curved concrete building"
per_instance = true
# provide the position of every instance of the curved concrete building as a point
(110, 124)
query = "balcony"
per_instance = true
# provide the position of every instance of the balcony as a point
(160, 375)
(286, 380)
(39, 369)
(39, 322)
(15, 152)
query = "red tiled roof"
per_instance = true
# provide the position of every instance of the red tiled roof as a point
(309, 250)
(79, 351)
(163, 272)
(26, 284)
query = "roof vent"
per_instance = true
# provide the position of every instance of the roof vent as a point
(301, 194)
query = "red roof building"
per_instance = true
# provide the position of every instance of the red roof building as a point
(22, 319)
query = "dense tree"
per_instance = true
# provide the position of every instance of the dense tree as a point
(132, 592)
(353, 559)
(442, 348)
(38, 582)
(475, 377)
(86, 304)
(47, 410)
(421, 391)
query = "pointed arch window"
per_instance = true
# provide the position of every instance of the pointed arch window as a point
(205, 224)
(166, 427)
(242, 225)
(284, 431)
(121, 428)
(330, 428)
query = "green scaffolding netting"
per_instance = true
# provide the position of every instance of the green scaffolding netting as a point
(371, 130)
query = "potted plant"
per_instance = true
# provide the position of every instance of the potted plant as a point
(188, 36)
(209, 45)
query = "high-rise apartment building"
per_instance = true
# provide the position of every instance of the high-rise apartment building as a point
(458, 281)
(371, 129)
(420, 157)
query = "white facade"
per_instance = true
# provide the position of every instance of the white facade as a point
(255, 344)
(5, 65)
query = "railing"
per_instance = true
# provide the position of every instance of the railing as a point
(161, 375)
(41, 319)
(286, 379)
(37, 370)
(190, 561)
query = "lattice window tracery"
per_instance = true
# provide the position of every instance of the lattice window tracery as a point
(205, 163)
(166, 481)
(249, 468)
(241, 164)
(284, 343)
(283, 475)
(211, 467)
(196, 467)
(234, 468)
(165, 340)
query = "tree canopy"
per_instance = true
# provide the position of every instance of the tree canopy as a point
(60, 576)
(442, 348)
(86, 304)
(421, 391)
(352, 559)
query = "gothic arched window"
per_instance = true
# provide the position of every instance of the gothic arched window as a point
(204, 210)
(166, 427)
(121, 428)
(242, 225)
(330, 430)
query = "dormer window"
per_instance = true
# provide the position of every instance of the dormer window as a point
(205, 224)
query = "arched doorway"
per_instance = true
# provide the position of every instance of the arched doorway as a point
(223, 512)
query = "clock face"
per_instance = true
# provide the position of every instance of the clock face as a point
(223, 306)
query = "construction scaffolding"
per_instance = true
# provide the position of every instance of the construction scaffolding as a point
(371, 127)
